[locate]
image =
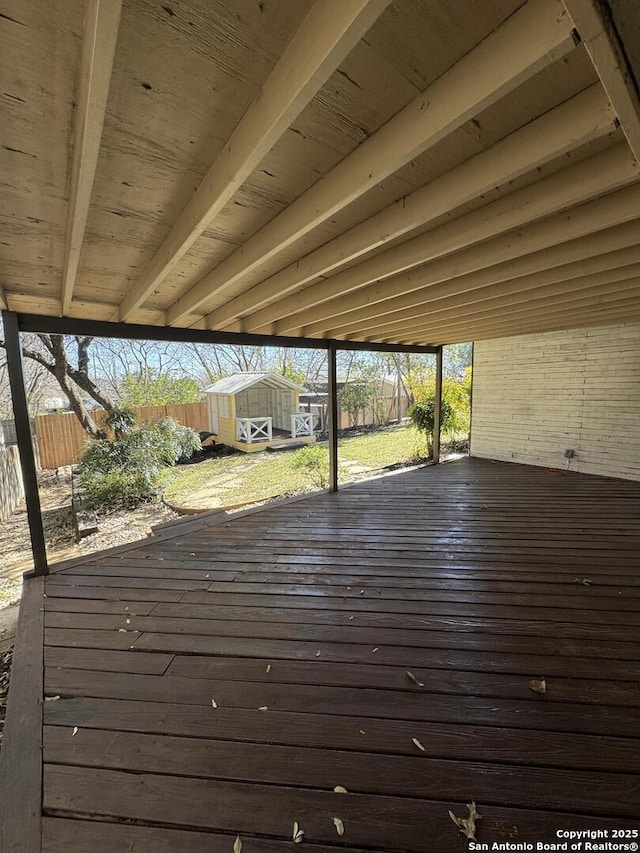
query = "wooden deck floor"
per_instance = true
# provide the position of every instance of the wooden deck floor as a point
(301, 623)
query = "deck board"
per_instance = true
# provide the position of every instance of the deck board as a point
(301, 620)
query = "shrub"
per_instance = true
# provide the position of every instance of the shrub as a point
(120, 420)
(128, 471)
(423, 416)
(314, 461)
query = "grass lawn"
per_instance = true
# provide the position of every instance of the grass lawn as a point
(242, 478)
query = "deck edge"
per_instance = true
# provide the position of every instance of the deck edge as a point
(21, 758)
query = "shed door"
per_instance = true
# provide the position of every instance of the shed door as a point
(213, 413)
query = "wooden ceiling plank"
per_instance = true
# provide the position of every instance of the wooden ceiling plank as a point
(583, 118)
(501, 308)
(499, 327)
(603, 46)
(472, 241)
(528, 41)
(102, 19)
(504, 293)
(326, 36)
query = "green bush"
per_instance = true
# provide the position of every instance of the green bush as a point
(314, 461)
(128, 471)
(120, 420)
(422, 415)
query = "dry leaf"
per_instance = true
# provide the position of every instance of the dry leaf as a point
(362, 732)
(122, 630)
(207, 577)
(340, 790)
(412, 677)
(338, 825)
(298, 834)
(583, 581)
(350, 618)
(377, 649)
(126, 609)
(417, 743)
(127, 621)
(51, 698)
(75, 731)
(268, 669)
(263, 708)
(467, 825)
(214, 704)
(361, 592)
(318, 653)
(538, 685)
(237, 845)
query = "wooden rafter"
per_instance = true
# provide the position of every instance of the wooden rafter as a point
(499, 308)
(620, 312)
(326, 36)
(102, 18)
(602, 43)
(530, 40)
(583, 118)
(546, 283)
(457, 247)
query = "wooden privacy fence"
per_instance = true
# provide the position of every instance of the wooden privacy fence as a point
(61, 438)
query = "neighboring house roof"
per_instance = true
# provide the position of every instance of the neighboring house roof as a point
(241, 381)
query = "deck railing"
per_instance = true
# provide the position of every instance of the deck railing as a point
(254, 429)
(301, 424)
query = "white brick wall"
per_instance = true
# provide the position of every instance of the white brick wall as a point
(536, 395)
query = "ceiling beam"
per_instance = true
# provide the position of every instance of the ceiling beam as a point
(596, 29)
(528, 41)
(579, 120)
(499, 308)
(583, 257)
(102, 18)
(326, 36)
(500, 295)
(622, 313)
(478, 239)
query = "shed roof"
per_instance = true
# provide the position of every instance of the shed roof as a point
(241, 381)
(401, 171)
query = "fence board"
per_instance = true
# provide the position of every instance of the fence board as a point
(61, 438)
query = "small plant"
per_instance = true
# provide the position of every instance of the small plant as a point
(423, 417)
(120, 420)
(314, 461)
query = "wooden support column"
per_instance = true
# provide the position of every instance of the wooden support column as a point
(25, 445)
(333, 417)
(437, 415)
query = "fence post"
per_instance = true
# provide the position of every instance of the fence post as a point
(25, 446)
(437, 412)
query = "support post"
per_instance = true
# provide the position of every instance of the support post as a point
(437, 414)
(25, 445)
(333, 417)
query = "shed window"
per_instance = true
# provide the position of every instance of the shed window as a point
(223, 405)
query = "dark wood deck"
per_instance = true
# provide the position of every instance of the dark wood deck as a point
(301, 622)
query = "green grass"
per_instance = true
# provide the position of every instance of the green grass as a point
(244, 477)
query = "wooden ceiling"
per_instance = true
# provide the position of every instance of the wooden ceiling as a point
(406, 171)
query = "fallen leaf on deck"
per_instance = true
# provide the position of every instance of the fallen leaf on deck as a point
(51, 698)
(237, 845)
(126, 608)
(338, 825)
(417, 743)
(263, 708)
(377, 649)
(467, 825)
(318, 653)
(340, 790)
(350, 618)
(362, 732)
(127, 621)
(268, 669)
(538, 685)
(361, 592)
(583, 581)
(214, 704)
(412, 677)
(122, 630)
(75, 731)
(298, 834)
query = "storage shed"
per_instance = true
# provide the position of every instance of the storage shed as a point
(251, 411)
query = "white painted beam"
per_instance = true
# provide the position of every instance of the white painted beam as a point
(601, 41)
(553, 283)
(528, 41)
(102, 18)
(471, 241)
(326, 36)
(583, 118)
